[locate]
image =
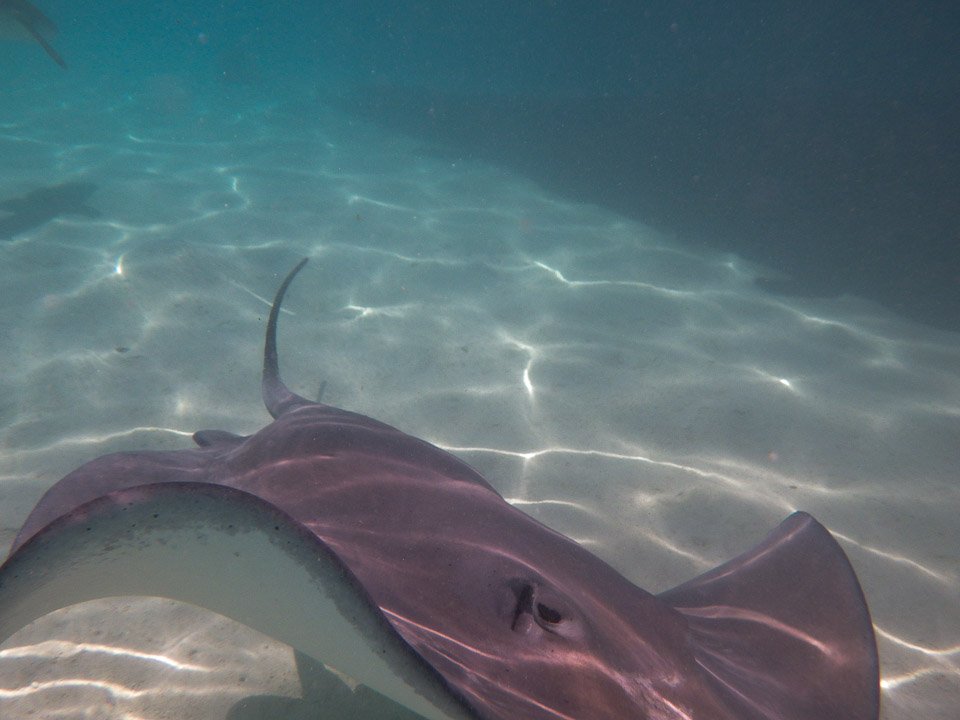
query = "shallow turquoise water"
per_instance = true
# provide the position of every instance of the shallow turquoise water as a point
(635, 391)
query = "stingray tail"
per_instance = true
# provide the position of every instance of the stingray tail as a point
(276, 396)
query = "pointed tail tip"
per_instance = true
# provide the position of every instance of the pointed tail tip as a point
(276, 395)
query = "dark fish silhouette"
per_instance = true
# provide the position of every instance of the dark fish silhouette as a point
(20, 19)
(396, 563)
(41, 205)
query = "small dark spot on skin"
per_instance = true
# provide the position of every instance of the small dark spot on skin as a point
(276, 527)
(792, 487)
(122, 348)
(156, 515)
(464, 348)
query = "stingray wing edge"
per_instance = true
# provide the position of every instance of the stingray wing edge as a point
(783, 631)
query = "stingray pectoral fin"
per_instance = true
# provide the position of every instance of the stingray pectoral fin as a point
(783, 630)
(230, 552)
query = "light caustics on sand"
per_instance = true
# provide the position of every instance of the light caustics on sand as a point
(755, 484)
(62, 648)
(934, 662)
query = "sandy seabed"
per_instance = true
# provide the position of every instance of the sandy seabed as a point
(647, 400)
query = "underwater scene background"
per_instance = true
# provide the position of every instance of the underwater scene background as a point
(662, 272)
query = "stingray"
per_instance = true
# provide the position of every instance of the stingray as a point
(391, 560)
(41, 205)
(23, 21)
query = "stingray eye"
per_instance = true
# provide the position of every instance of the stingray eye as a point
(539, 606)
(548, 614)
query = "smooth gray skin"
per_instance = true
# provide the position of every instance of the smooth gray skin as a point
(508, 618)
(20, 19)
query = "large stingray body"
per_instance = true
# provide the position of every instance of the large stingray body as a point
(384, 556)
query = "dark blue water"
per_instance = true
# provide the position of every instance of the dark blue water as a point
(820, 141)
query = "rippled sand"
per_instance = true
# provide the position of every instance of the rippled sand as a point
(644, 398)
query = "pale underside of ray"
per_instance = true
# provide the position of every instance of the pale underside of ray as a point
(228, 552)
